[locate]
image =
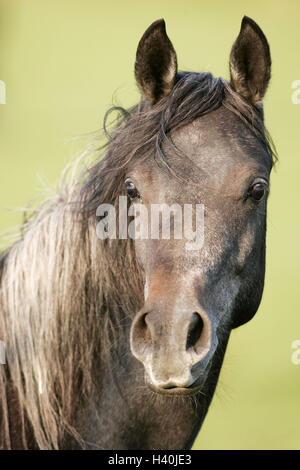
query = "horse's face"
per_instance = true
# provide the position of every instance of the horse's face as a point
(196, 293)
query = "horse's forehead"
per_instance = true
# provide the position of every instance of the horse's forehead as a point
(214, 148)
(220, 140)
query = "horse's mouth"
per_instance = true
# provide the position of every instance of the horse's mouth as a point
(177, 391)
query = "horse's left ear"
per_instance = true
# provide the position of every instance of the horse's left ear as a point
(156, 63)
(250, 62)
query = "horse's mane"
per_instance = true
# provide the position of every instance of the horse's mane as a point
(64, 292)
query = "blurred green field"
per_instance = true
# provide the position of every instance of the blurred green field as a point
(63, 60)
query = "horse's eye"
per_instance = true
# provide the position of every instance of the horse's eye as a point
(257, 191)
(131, 190)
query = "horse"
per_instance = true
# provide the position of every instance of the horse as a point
(117, 342)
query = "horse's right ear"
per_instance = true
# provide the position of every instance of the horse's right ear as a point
(156, 63)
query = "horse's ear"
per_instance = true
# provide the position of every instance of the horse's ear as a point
(250, 62)
(156, 63)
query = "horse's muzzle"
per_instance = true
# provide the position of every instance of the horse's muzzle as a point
(175, 347)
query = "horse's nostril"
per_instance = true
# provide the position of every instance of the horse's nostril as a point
(194, 331)
(145, 334)
(141, 338)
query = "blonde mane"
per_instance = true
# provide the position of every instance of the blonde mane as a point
(57, 282)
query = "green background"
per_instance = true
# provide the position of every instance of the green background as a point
(62, 62)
